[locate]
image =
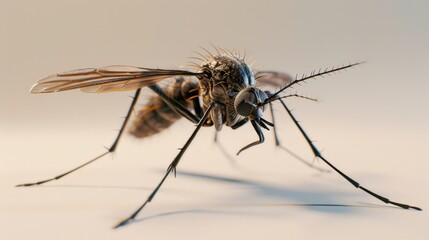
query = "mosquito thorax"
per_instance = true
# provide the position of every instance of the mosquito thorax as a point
(248, 102)
(224, 76)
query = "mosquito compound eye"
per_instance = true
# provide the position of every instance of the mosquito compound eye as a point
(245, 102)
(244, 108)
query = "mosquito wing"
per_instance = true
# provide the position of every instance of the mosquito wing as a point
(106, 79)
(274, 79)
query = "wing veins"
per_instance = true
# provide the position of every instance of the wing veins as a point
(110, 78)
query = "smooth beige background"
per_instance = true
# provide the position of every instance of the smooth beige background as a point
(372, 122)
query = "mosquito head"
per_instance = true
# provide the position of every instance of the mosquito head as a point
(248, 102)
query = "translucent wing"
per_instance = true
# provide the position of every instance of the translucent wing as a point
(274, 79)
(106, 79)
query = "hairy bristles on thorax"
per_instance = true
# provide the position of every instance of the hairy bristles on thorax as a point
(208, 56)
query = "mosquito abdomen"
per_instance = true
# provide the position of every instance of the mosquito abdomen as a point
(156, 115)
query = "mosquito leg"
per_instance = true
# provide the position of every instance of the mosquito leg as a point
(199, 112)
(111, 149)
(197, 107)
(171, 168)
(278, 144)
(317, 153)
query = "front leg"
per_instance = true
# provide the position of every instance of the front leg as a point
(171, 168)
(317, 153)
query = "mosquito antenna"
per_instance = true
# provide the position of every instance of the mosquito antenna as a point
(304, 77)
(290, 95)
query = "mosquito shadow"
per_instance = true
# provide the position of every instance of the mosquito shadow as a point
(97, 187)
(327, 201)
(293, 198)
(191, 211)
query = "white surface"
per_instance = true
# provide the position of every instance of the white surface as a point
(371, 123)
(265, 195)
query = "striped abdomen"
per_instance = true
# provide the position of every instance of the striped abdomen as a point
(157, 115)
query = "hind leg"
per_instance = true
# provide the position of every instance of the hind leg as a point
(111, 149)
(279, 145)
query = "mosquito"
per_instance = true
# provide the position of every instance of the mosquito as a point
(223, 90)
